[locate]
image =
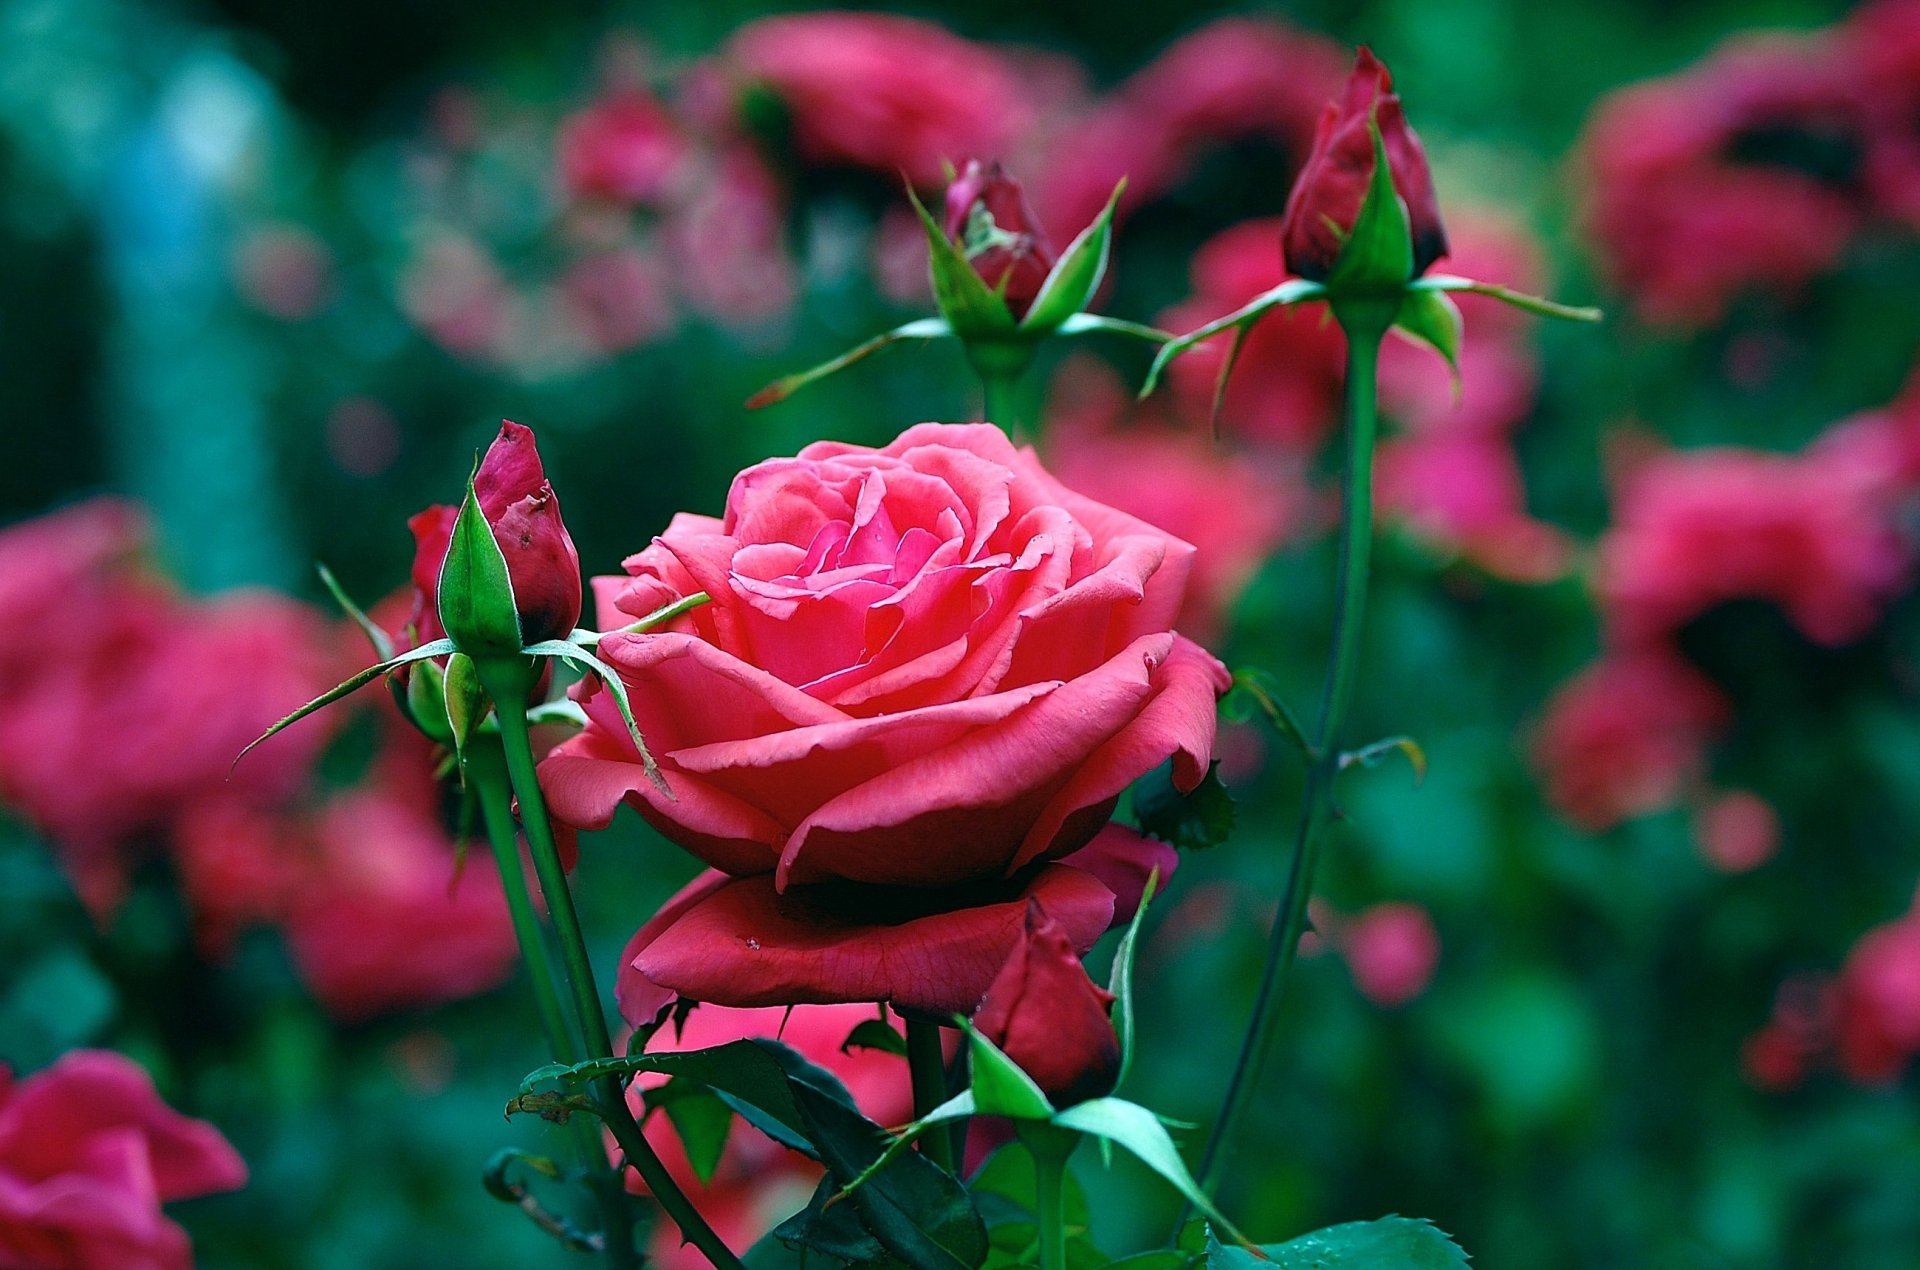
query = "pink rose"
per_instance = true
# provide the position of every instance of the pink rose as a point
(1392, 950)
(88, 1154)
(624, 148)
(926, 675)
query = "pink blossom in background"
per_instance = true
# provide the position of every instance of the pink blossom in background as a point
(727, 241)
(1883, 44)
(1737, 831)
(1697, 528)
(1235, 509)
(624, 148)
(1696, 184)
(1392, 950)
(1232, 80)
(619, 299)
(455, 292)
(285, 271)
(1286, 389)
(1465, 494)
(1879, 994)
(88, 1154)
(1626, 737)
(882, 92)
(759, 1183)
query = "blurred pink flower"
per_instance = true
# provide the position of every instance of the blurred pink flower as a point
(620, 299)
(1464, 493)
(285, 271)
(1392, 950)
(624, 148)
(1626, 737)
(727, 242)
(88, 1154)
(759, 1183)
(1879, 1002)
(1737, 831)
(457, 295)
(1883, 43)
(1741, 171)
(882, 92)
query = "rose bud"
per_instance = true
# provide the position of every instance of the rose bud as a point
(1051, 1019)
(990, 220)
(523, 513)
(1332, 187)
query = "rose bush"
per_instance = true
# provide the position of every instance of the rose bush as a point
(925, 676)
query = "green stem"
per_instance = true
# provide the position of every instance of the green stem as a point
(487, 771)
(1365, 328)
(506, 682)
(927, 1060)
(997, 391)
(1050, 1148)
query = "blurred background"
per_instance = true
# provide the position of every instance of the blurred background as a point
(1630, 979)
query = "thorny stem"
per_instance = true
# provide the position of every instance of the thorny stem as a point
(927, 1062)
(506, 682)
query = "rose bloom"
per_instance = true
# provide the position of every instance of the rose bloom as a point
(727, 244)
(88, 1154)
(882, 92)
(1742, 171)
(1627, 737)
(1233, 85)
(759, 1183)
(1693, 529)
(926, 675)
(624, 148)
(1234, 509)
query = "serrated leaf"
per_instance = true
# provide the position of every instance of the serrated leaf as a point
(381, 641)
(825, 1227)
(1429, 318)
(874, 1034)
(1132, 1127)
(971, 308)
(438, 648)
(780, 389)
(1192, 822)
(476, 591)
(1075, 277)
(1506, 295)
(1378, 252)
(1292, 291)
(1391, 1243)
(1000, 1088)
(1120, 979)
(610, 680)
(702, 1120)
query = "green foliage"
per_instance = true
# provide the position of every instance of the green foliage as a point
(1391, 1243)
(1193, 821)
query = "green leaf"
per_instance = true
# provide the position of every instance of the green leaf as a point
(781, 389)
(874, 1034)
(438, 648)
(555, 1105)
(701, 1118)
(476, 591)
(959, 1107)
(466, 701)
(1076, 275)
(1391, 1243)
(1430, 318)
(1378, 253)
(1292, 291)
(610, 680)
(381, 641)
(1094, 323)
(1139, 1131)
(1193, 822)
(1120, 979)
(1000, 1088)
(825, 1227)
(1374, 754)
(1159, 1259)
(1255, 686)
(500, 1183)
(972, 309)
(1506, 295)
(1009, 1175)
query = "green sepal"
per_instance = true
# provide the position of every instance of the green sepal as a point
(465, 702)
(959, 1107)
(1120, 979)
(1377, 256)
(973, 310)
(1292, 291)
(438, 648)
(381, 641)
(610, 680)
(1391, 1243)
(780, 389)
(660, 616)
(476, 591)
(1000, 1087)
(1075, 277)
(1506, 295)
(1429, 318)
(424, 698)
(1140, 1132)
(1259, 687)
(1099, 324)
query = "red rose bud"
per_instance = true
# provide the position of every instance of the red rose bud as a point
(1332, 187)
(1051, 1019)
(990, 220)
(523, 514)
